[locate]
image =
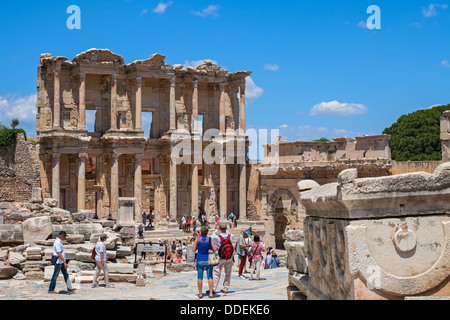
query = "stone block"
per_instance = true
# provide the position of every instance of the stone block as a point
(36, 195)
(52, 203)
(11, 234)
(140, 282)
(123, 251)
(123, 268)
(126, 212)
(75, 238)
(84, 257)
(34, 229)
(77, 266)
(297, 259)
(119, 277)
(15, 258)
(35, 275)
(7, 272)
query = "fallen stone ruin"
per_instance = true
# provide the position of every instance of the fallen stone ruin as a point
(372, 238)
(29, 230)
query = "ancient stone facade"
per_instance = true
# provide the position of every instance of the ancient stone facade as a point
(275, 195)
(375, 238)
(19, 172)
(121, 161)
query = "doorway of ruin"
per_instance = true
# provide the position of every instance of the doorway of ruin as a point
(281, 223)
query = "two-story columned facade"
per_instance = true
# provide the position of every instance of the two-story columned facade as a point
(92, 169)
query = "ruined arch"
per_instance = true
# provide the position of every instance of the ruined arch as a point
(281, 216)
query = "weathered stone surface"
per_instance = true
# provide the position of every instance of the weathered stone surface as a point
(86, 229)
(305, 185)
(347, 176)
(296, 260)
(39, 228)
(124, 251)
(52, 203)
(400, 195)
(7, 272)
(84, 257)
(15, 258)
(11, 234)
(75, 238)
(293, 235)
(124, 268)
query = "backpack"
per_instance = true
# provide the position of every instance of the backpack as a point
(226, 248)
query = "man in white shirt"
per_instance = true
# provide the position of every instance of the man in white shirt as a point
(61, 263)
(226, 264)
(101, 262)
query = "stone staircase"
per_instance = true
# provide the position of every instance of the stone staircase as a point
(170, 234)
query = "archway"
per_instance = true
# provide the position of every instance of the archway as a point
(280, 227)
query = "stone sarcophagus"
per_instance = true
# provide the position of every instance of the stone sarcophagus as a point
(378, 238)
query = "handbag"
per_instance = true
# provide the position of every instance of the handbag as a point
(250, 259)
(213, 260)
(54, 259)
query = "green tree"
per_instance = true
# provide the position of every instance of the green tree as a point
(14, 123)
(416, 136)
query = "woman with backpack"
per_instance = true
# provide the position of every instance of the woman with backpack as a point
(203, 244)
(256, 257)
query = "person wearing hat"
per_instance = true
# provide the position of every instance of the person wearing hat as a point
(61, 263)
(242, 247)
(101, 262)
(219, 236)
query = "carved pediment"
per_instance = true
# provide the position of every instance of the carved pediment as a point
(99, 56)
(155, 62)
(210, 68)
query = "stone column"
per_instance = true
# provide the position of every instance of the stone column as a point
(173, 191)
(138, 111)
(195, 106)
(138, 186)
(98, 182)
(82, 102)
(114, 203)
(222, 108)
(242, 108)
(243, 192)
(57, 99)
(173, 111)
(114, 102)
(223, 188)
(194, 190)
(56, 188)
(81, 195)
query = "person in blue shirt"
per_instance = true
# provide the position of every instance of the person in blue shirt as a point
(203, 243)
(274, 261)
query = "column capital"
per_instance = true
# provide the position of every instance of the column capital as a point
(139, 81)
(82, 76)
(139, 156)
(82, 155)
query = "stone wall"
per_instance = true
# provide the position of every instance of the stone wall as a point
(19, 171)
(376, 238)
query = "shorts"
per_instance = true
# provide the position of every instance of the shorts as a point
(201, 266)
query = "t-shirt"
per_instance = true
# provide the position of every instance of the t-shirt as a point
(100, 247)
(58, 247)
(257, 248)
(218, 241)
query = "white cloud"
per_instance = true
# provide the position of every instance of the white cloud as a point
(211, 10)
(144, 12)
(431, 10)
(195, 63)
(271, 67)
(415, 24)
(161, 8)
(284, 126)
(336, 108)
(252, 91)
(362, 24)
(445, 63)
(21, 108)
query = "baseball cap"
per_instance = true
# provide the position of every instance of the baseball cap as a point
(103, 235)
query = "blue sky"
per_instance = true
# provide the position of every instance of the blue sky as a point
(318, 71)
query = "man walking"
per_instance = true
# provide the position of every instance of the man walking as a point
(242, 249)
(223, 240)
(101, 262)
(61, 263)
